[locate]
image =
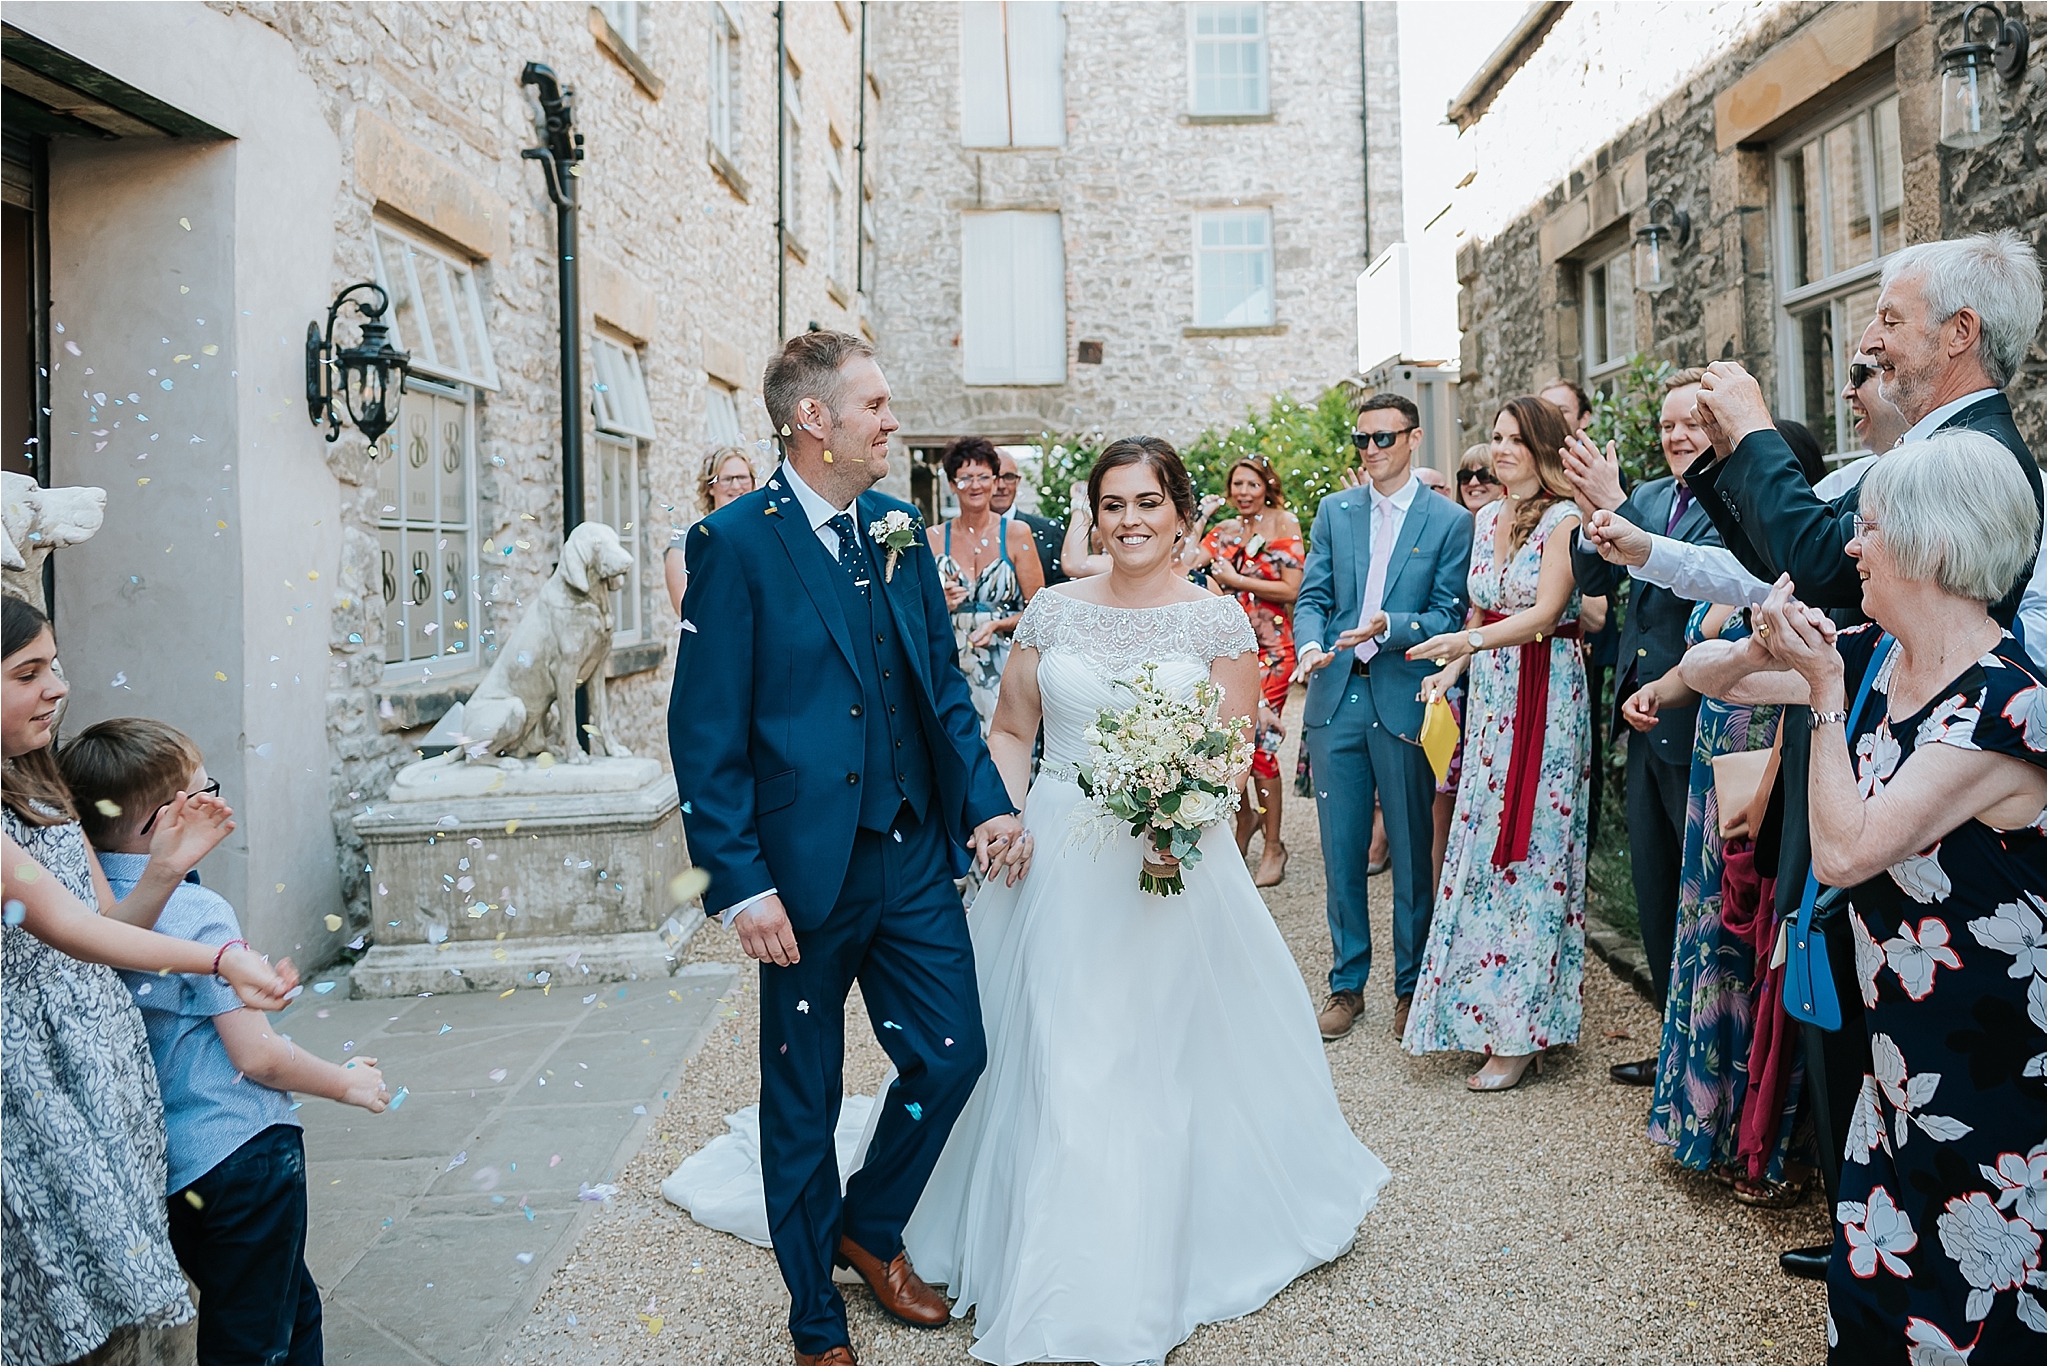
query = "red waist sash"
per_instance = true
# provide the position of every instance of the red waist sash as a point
(1525, 748)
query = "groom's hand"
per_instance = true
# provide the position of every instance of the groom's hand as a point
(765, 932)
(1002, 842)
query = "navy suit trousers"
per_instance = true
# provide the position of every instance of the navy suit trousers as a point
(898, 929)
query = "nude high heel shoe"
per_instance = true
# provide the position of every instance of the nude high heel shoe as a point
(1522, 1066)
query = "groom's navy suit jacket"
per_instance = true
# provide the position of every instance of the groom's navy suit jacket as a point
(765, 725)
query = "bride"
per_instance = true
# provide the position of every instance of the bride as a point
(1156, 1143)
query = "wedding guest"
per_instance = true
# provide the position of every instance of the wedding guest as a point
(1702, 1068)
(1477, 486)
(85, 1250)
(1429, 477)
(989, 566)
(1874, 421)
(1048, 535)
(1924, 801)
(1257, 555)
(1572, 401)
(727, 473)
(1507, 948)
(1387, 570)
(1660, 743)
(237, 1164)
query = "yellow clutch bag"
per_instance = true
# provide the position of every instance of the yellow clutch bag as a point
(1439, 736)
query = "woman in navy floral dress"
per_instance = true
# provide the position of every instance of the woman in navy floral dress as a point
(1928, 806)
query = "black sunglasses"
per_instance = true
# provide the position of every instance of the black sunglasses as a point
(1466, 477)
(1380, 439)
(1860, 373)
(212, 789)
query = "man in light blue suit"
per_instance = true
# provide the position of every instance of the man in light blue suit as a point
(1386, 570)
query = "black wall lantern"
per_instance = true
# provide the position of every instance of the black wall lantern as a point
(364, 378)
(1653, 255)
(1971, 115)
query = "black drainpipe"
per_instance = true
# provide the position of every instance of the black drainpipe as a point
(860, 175)
(1365, 125)
(559, 159)
(781, 181)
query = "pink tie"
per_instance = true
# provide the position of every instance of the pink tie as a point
(1383, 511)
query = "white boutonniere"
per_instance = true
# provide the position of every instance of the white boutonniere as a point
(895, 533)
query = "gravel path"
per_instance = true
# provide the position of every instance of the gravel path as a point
(1536, 1225)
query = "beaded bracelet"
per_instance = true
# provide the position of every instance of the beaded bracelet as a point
(221, 953)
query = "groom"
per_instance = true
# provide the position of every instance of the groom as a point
(833, 775)
(1386, 571)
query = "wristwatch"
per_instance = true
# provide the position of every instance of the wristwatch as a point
(1475, 640)
(1819, 719)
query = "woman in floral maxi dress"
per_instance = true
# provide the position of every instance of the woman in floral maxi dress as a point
(1702, 1065)
(1506, 952)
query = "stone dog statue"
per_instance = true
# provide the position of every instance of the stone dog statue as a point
(37, 521)
(527, 703)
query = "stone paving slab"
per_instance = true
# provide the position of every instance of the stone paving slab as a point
(434, 1227)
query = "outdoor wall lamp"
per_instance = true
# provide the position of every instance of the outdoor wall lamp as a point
(1653, 259)
(369, 373)
(1971, 115)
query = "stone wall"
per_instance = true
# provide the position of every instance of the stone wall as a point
(676, 257)
(1707, 145)
(1133, 170)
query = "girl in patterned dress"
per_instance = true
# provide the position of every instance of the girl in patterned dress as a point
(84, 1243)
(1926, 803)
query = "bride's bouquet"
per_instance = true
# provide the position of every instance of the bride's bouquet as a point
(1165, 767)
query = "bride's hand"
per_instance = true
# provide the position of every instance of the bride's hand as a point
(1002, 842)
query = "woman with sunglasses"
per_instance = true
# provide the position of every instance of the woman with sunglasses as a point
(1258, 556)
(988, 565)
(1477, 486)
(727, 473)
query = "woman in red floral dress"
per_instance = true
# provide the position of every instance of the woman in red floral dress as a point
(1258, 556)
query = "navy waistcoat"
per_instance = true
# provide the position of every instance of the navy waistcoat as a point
(897, 764)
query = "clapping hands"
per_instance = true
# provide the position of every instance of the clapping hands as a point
(1802, 639)
(1595, 475)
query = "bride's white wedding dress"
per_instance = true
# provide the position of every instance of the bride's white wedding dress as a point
(1156, 1143)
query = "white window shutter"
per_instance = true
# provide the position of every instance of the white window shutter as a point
(1041, 299)
(988, 315)
(1037, 99)
(1013, 299)
(984, 81)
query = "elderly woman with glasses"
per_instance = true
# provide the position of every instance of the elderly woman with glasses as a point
(989, 566)
(726, 474)
(1925, 802)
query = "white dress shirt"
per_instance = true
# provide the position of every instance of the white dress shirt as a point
(819, 513)
(1388, 511)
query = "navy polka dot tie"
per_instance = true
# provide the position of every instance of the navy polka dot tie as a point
(853, 557)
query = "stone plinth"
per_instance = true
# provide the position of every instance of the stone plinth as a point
(548, 883)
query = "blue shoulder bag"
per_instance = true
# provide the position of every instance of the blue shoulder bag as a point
(1809, 978)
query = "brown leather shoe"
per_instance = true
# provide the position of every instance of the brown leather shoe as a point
(842, 1356)
(1340, 1013)
(897, 1286)
(1402, 1006)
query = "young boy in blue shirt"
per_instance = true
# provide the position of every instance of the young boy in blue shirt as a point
(237, 1165)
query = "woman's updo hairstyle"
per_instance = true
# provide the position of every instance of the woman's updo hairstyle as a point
(1156, 455)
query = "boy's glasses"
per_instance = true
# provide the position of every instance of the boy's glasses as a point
(212, 789)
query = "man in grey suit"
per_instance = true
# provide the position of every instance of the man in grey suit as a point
(1386, 570)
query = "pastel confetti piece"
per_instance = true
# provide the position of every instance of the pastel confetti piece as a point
(891, 1025)
(497, 1074)
(332, 921)
(506, 993)
(16, 913)
(688, 885)
(511, 826)
(457, 1161)
(916, 1110)
(109, 809)
(556, 1159)
(219, 677)
(396, 1102)
(195, 1200)
(639, 1110)
(445, 1028)
(522, 1257)
(804, 1007)
(186, 224)
(26, 873)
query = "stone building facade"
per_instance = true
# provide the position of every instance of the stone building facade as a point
(1120, 159)
(1800, 138)
(201, 180)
